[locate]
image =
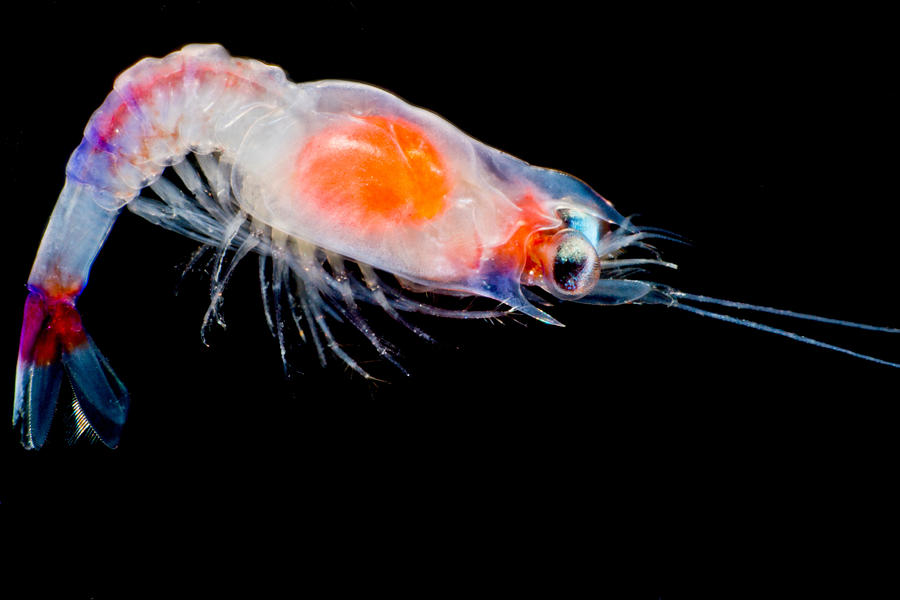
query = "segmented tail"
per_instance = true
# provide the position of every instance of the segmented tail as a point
(53, 340)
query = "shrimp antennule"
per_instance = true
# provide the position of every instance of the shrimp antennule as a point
(627, 291)
(782, 312)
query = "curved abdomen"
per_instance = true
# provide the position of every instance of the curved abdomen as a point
(197, 99)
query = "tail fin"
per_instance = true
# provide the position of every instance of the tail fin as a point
(53, 339)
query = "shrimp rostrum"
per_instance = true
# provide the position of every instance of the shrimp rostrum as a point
(348, 194)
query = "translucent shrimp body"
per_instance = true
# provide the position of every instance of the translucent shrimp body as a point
(311, 177)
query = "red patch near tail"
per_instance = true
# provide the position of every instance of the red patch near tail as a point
(50, 326)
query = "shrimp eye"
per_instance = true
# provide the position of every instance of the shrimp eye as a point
(571, 267)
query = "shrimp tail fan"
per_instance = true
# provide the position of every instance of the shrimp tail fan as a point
(54, 342)
(626, 291)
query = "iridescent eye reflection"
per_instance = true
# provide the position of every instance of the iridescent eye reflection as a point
(576, 266)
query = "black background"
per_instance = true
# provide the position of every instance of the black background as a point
(638, 452)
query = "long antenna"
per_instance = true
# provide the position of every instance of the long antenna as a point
(778, 311)
(788, 334)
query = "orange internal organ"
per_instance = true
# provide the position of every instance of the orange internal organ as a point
(374, 171)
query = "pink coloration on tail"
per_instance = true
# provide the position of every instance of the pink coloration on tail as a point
(54, 343)
(51, 325)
